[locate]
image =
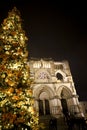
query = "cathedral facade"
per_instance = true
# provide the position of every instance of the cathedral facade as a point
(53, 88)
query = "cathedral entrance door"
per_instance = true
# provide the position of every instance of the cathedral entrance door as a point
(41, 109)
(64, 106)
(47, 108)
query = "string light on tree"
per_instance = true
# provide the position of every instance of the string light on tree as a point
(16, 97)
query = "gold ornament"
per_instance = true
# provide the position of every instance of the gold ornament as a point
(29, 92)
(3, 75)
(6, 80)
(10, 90)
(23, 81)
(7, 52)
(15, 97)
(11, 83)
(31, 110)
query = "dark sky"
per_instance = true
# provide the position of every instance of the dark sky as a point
(55, 30)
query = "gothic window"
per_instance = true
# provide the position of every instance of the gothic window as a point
(59, 76)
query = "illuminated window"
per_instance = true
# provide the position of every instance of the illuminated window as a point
(46, 65)
(36, 65)
(59, 67)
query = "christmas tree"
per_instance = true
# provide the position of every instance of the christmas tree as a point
(16, 97)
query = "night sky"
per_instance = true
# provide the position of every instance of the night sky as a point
(55, 30)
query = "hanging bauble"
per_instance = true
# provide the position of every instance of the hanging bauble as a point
(7, 52)
(6, 80)
(3, 75)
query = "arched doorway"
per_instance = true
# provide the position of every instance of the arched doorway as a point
(41, 108)
(47, 107)
(64, 106)
(66, 100)
(44, 107)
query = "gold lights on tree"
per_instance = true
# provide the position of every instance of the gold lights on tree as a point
(13, 47)
(16, 97)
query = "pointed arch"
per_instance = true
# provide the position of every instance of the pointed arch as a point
(64, 91)
(60, 72)
(43, 89)
(43, 96)
(66, 98)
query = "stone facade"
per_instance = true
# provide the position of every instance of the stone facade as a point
(53, 88)
(84, 107)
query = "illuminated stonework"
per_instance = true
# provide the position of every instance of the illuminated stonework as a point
(52, 87)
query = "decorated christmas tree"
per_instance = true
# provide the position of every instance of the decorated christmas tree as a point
(16, 97)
